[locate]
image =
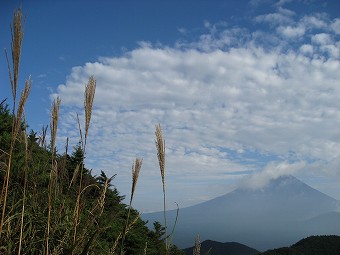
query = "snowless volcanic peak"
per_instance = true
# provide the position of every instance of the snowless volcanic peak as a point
(277, 214)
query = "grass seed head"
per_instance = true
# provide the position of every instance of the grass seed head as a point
(21, 107)
(90, 89)
(160, 145)
(197, 248)
(54, 121)
(135, 173)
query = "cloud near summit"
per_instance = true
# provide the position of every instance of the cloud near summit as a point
(229, 94)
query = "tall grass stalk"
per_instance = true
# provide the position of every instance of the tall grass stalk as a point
(24, 191)
(17, 36)
(160, 146)
(42, 138)
(53, 172)
(17, 121)
(197, 248)
(90, 89)
(136, 166)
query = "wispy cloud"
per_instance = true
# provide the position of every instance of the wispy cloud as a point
(336, 26)
(272, 171)
(225, 93)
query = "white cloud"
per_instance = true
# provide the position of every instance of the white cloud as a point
(219, 100)
(291, 32)
(307, 49)
(271, 172)
(322, 39)
(336, 25)
(281, 17)
(332, 50)
(316, 21)
(286, 12)
(326, 44)
(282, 2)
(274, 19)
(182, 30)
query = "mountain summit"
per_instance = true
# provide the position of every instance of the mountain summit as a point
(278, 214)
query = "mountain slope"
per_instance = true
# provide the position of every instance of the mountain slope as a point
(274, 216)
(314, 245)
(217, 248)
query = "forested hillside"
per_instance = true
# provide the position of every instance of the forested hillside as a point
(217, 248)
(102, 215)
(313, 245)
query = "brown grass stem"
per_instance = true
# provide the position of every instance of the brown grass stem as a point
(136, 166)
(24, 191)
(160, 146)
(197, 248)
(21, 107)
(16, 125)
(81, 167)
(89, 93)
(90, 89)
(17, 36)
(54, 123)
(53, 172)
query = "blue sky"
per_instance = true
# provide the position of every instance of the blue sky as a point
(244, 90)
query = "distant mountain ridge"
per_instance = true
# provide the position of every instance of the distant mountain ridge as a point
(217, 248)
(276, 215)
(313, 245)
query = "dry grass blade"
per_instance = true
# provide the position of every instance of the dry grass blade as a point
(145, 248)
(136, 166)
(54, 122)
(24, 192)
(17, 36)
(74, 177)
(63, 171)
(160, 145)
(42, 137)
(90, 89)
(135, 173)
(17, 121)
(101, 200)
(197, 248)
(21, 106)
(130, 226)
(53, 173)
(115, 245)
(173, 228)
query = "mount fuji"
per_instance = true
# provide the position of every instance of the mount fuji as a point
(278, 214)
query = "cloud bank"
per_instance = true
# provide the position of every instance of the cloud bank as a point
(232, 102)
